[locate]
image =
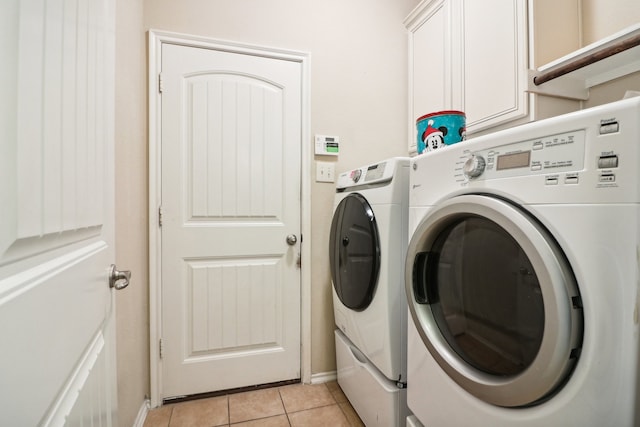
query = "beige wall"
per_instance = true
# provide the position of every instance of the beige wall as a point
(601, 19)
(556, 35)
(358, 67)
(358, 91)
(556, 30)
(132, 313)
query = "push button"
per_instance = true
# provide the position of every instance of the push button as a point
(571, 180)
(551, 181)
(607, 162)
(606, 128)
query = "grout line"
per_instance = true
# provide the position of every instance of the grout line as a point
(285, 411)
(346, 417)
(284, 408)
(315, 407)
(257, 419)
(170, 416)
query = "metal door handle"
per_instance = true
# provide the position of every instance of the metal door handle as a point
(291, 239)
(118, 279)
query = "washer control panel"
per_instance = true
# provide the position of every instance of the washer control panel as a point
(553, 154)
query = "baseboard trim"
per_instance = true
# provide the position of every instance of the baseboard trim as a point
(142, 413)
(324, 377)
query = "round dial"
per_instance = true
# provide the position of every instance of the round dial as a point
(474, 166)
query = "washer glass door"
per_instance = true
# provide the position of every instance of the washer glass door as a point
(354, 252)
(494, 300)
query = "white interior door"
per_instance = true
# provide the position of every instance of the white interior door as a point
(231, 144)
(57, 363)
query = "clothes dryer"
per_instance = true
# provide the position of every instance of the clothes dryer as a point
(522, 275)
(368, 243)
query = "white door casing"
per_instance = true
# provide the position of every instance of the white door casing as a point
(57, 311)
(230, 191)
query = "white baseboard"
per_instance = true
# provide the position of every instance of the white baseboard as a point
(142, 413)
(412, 421)
(324, 377)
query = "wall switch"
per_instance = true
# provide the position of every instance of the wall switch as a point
(325, 172)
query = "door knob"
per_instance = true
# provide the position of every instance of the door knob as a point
(118, 279)
(291, 239)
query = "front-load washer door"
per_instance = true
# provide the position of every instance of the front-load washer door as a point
(494, 300)
(354, 252)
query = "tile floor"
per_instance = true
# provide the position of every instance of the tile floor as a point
(294, 405)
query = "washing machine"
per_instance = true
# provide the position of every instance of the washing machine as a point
(522, 275)
(368, 241)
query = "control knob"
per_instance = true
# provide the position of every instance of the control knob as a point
(474, 166)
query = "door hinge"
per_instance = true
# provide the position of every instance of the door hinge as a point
(160, 86)
(159, 216)
(161, 348)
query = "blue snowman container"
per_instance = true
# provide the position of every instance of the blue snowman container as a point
(441, 128)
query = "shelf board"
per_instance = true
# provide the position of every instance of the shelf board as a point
(572, 75)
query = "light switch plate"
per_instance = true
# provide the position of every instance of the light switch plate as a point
(325, 172)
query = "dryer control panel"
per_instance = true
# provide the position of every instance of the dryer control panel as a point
(587, 156)
(560, 153)
(376, 174)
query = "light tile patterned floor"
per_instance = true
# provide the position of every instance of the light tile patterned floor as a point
(294, 405)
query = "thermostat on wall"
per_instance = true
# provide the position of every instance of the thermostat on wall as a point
(327, 145)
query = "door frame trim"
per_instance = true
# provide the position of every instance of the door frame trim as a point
(156, 39)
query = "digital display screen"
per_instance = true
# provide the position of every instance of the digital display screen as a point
(374, 172)
(514, 160)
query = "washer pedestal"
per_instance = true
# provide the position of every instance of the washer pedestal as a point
(376, 399)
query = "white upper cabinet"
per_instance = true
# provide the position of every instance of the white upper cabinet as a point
(470, 56)
(429, 60)
(493, 58)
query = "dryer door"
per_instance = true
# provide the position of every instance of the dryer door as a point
(354, 252)
(494, 300)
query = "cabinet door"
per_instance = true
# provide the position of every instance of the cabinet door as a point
(494, 50)
(429, 62)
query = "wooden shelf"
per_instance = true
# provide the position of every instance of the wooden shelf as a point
(572, 75)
